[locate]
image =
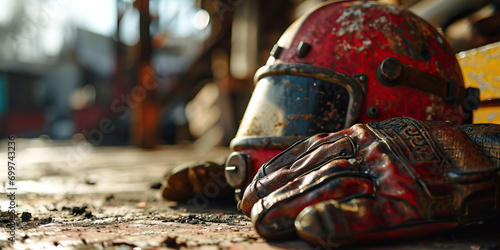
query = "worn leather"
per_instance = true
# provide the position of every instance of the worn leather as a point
(398, 178)
(187, 181)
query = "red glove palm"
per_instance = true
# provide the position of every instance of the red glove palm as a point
(392, 179)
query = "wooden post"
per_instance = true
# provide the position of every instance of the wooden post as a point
(145, 110)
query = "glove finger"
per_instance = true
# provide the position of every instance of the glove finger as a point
(274, 215)
(208, 179)
(332, 223)
(177, 186)
(319, 154)
(297, 150)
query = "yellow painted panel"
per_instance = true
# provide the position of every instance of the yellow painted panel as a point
(487, 115)
(481, 69)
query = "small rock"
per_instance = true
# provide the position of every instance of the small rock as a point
(172, 242)
(78, 210)
(109, 197)
(156, 185)
(46, 221)
(26, 216)
(91, 180)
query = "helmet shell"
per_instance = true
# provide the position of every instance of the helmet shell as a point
(322, 76)
(353, 37)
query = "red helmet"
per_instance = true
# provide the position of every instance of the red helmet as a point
(347, 62)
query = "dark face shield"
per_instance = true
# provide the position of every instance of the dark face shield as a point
(291, 101)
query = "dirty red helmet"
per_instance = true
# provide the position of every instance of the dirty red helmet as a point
(347, 62)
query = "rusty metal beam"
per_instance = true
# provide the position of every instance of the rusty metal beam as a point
(145, 109)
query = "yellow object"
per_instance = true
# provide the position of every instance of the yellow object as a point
(481, 69)
(487, 115)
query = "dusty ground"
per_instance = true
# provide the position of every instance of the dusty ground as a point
(71, 195)
(135, 219)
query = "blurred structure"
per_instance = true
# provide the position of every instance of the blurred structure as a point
(466, 24)
(52, 63)
(148, 72)
(122, 71)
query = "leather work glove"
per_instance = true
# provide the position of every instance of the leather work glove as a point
(398, 178)
(203, 179)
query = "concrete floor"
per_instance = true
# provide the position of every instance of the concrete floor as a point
(77, 196)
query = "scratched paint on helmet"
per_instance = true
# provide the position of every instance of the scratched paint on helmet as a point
(354, 38)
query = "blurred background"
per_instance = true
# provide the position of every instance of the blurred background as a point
(151, 72)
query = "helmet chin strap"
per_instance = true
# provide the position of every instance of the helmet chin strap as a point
(393, 73)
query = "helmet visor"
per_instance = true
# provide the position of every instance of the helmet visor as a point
(294, 101)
